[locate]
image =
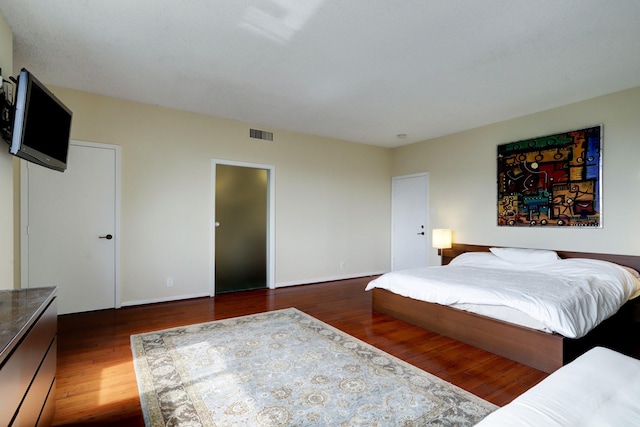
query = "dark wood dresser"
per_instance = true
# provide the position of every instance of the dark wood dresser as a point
(28, 328)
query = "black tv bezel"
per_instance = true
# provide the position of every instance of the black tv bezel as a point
(19, 148)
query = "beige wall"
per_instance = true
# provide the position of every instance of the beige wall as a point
(463, 189)
(332, 197)
(6, 172)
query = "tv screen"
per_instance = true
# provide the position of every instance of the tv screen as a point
(42, 124)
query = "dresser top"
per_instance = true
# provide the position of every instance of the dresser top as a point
(18, 310)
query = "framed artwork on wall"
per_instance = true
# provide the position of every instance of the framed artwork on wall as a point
(551, 181)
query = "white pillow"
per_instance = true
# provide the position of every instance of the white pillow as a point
(480, 259)
(525, 256)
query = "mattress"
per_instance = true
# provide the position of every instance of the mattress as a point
(600, 388)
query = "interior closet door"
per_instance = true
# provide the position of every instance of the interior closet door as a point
(409, 216)
(70, 228)
(241, 227)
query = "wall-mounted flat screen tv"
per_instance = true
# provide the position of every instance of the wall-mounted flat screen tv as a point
(41, 126)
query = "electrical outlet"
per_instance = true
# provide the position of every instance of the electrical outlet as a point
(343, 264)
(169, 282)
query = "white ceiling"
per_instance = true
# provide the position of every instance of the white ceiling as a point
(356, 70)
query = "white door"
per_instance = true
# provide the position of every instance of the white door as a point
(409, 215)
(70, 228)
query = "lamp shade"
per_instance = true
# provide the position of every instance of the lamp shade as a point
(441, 238)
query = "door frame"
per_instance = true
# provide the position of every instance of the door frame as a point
(427, 229)
(24, 210)
(271, 227)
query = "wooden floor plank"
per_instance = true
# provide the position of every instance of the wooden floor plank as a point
(96, 380)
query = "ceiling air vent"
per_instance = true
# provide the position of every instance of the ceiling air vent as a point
(261, 134)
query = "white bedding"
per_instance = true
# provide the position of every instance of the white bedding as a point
(568, 297)
(600, 388)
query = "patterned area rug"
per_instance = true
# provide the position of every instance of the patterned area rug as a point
(286, 368)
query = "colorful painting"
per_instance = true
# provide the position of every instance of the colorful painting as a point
(553, 180)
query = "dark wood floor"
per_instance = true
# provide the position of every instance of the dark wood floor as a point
(96, 383)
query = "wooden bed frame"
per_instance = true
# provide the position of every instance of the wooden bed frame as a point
(544, 351)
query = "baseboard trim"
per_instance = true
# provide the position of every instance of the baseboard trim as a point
(165, 299)
(278, 285)
(326, 279)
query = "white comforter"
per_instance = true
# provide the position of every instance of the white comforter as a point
(568, 297)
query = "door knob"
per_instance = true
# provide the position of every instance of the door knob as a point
(108, 237)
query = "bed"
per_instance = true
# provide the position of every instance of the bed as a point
(599, 388)
(527, 344)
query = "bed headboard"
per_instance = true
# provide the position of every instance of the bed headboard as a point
(632, 261)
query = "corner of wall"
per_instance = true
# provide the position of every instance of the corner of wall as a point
(7, 264)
